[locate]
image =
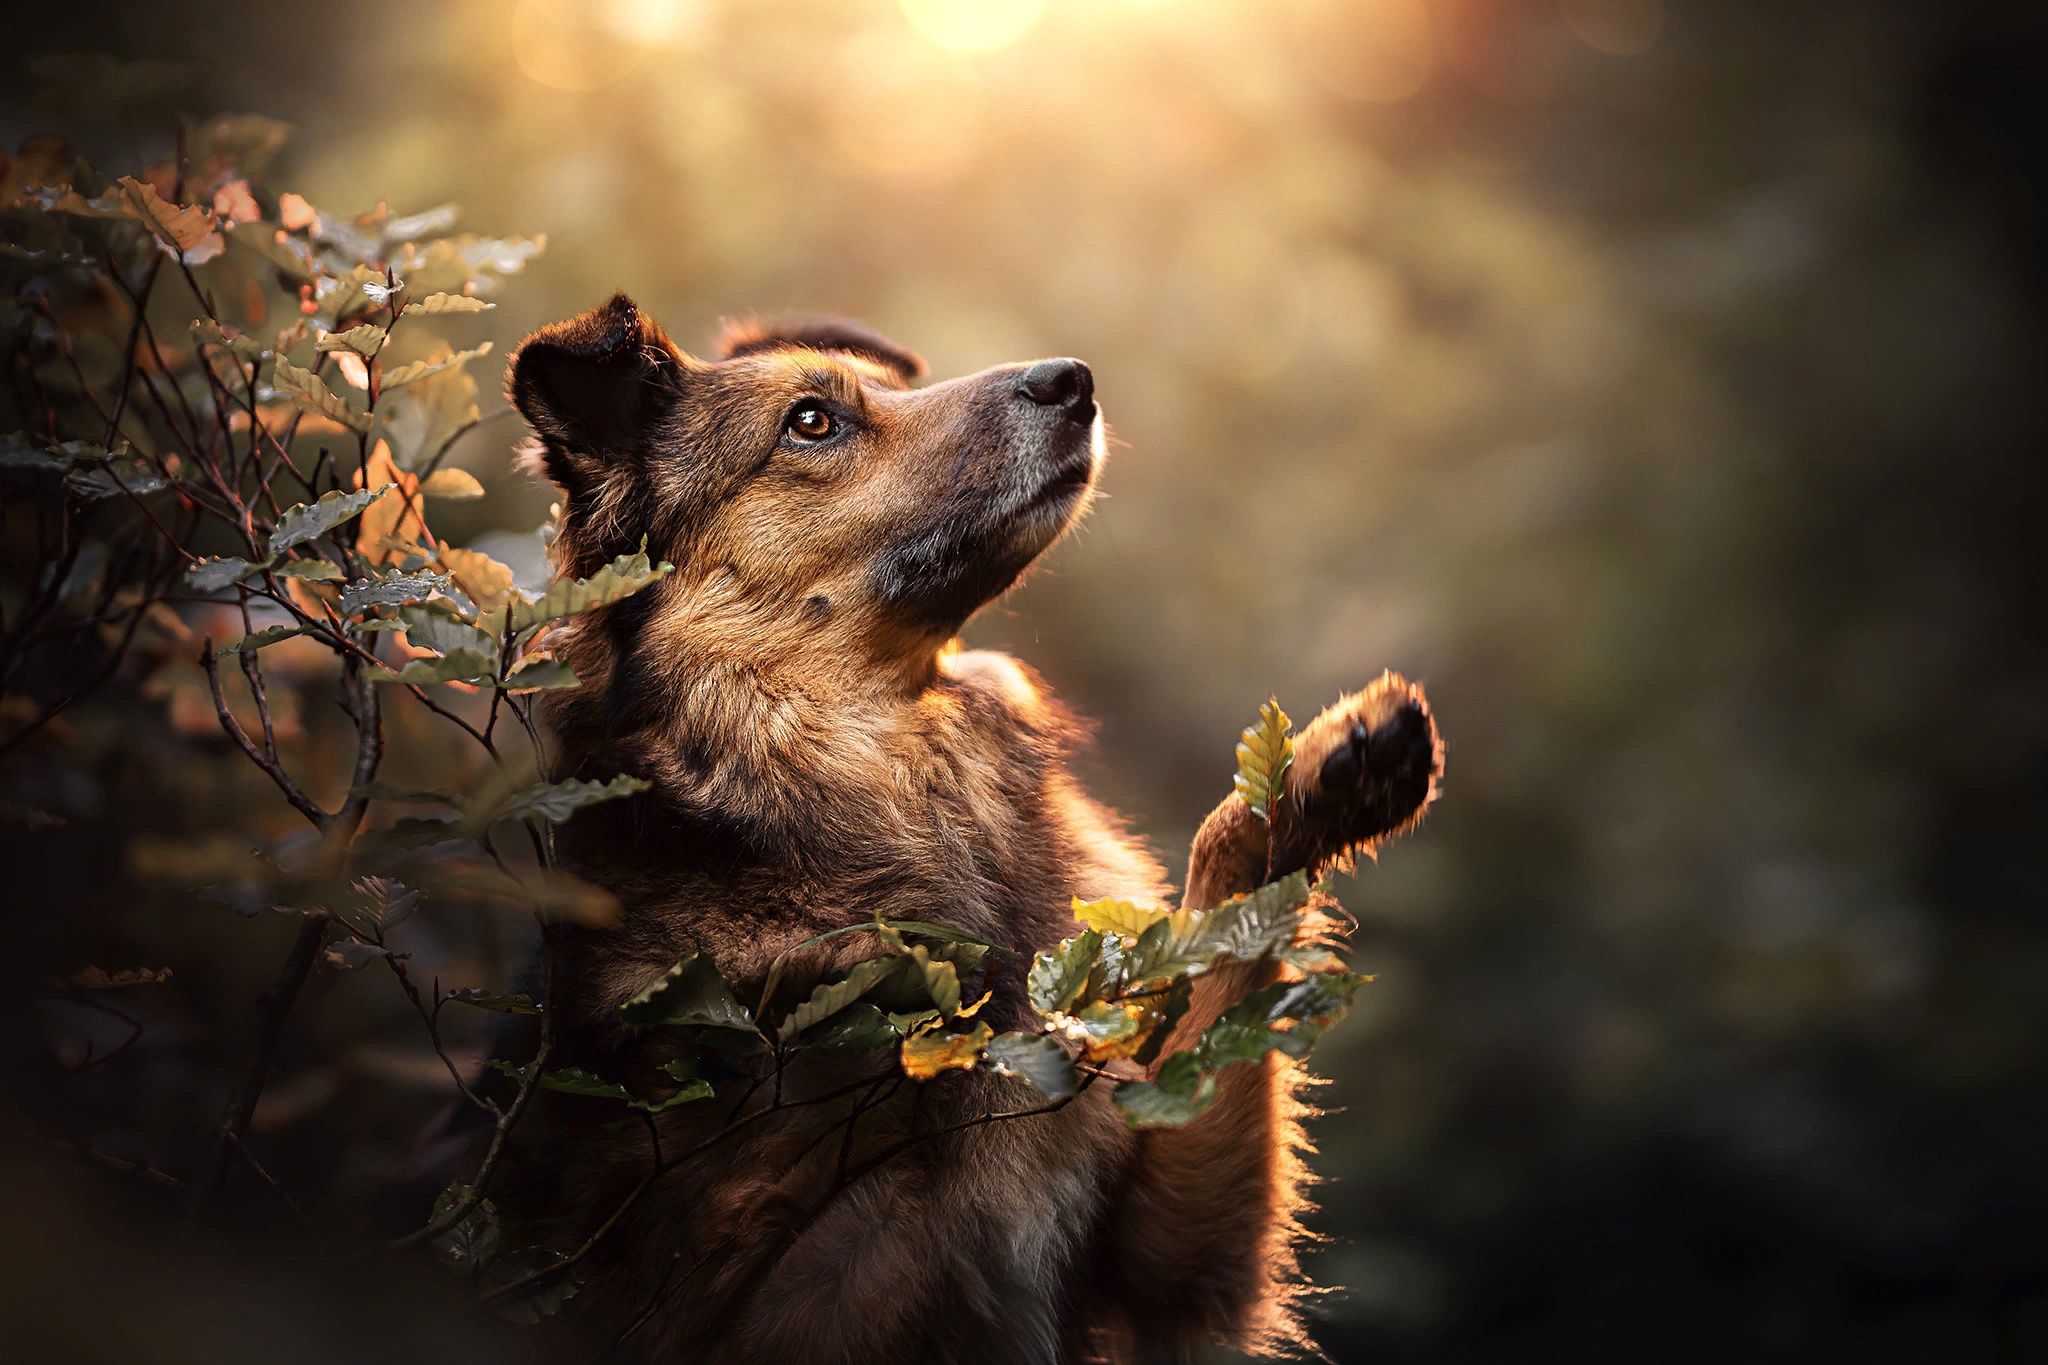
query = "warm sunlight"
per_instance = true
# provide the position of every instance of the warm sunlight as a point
(973, 25)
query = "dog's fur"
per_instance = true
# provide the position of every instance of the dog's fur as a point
(820, 754)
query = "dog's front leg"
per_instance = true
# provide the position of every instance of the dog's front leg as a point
(1200, 1240)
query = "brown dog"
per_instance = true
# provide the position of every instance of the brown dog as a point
(818, 756)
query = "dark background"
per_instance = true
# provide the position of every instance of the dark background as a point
(1659, 383)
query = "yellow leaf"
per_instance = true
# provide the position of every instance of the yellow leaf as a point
(448, 303)
(393, 525)
(488, 583)
(364, 341)
(927, 1054)
(1263, 756)
(1112, 916)
(452, 483)
(305, 388)
(185, 230)
(420, 369)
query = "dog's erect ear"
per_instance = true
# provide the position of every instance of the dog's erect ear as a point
(751, 336)
(594, 388)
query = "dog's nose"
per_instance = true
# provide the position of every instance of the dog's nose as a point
(1064, 384)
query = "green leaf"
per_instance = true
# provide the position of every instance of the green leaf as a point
(1111, 1028)
(1263, 757)
(621, 578)
(1262, 921)
(689, 1087)
(569, 1080)
(1288, 1016)
(482, 999)
(1169, 1012)
(212, 575)
(411, 832)
(310, 571)
(541, 1299)
(690, 994)
(1113, 916)
(925, 1055)
(1058, 978)
(857, 1030)
(392, 589)
(472, 1243)
(364, 341)
(833, 996)
(435, 626)
(1173, 947)
(460, 665)
(1180, 1093)
(303, 522)
(557, 801)
(122, 474)
(270, 635)
(537, 674)
(941, 980)
(1038, 1059)
(448, 303)
(306, 389)
(420, 369)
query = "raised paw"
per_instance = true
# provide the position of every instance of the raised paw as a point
(1375, 757)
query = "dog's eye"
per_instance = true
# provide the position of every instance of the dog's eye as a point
(810, 423)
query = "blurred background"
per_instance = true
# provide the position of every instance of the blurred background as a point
(1658, 381)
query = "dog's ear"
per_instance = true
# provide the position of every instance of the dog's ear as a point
(751, 336)
(595, 389)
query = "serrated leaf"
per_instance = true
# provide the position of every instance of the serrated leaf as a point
(452, 483)
(1038, 1059)
(256, 640)
(621, 578)
(182, 230)
(1263, 757)
(1174, 946)
(690, 994)
(420, 369)
(1288, 1016)
(308, 390)
(1058, 978)
(310, 571)
(488, 583)
(941, 979)
(482, 999)
(557, 801)
(448, 303)
(1259, 922)
(301, 523)
(212, 575)
(391, 590)
(1112, 916)
(472, 1243)
(857, 1030)
(428, 626)
(1110, 1029)
(386, 902)
(1180, 1093)
(925, 1055)
(537, 674)
(364, 341)
(828, 998)
(460, 665)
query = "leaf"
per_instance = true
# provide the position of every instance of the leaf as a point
(621, 578)
(482, 999)
(448, 303)
(1259, 922)
(858, 1029)
(460, 665)
(1058, 978)
(387, 902)
(411, 832)
(123, 474)
(207, 332)
(98, 979)
(1263, 757)
(1113, 916)
(310, 571)
(541, 1299)
(941, 980)
(1288, 1016)
(452, 483)
(690, 1087)
(1169, 1012)
(1038, 1059)
(1180, 1093)
(308, 390)
(269, 635)
(420, 369)
(432, 625)
(557, 801)
(423, 417)
(690, 994)
(19, 451)
(301, 523)
(925, 1055)
(472, 1243)
(831, 997)
(364, 341)
(568, 1080)
(1112, 1028)
(391, 590)
(183, 230)
(1175, 946)
(212, 575)
(488, 583)
(535, 674)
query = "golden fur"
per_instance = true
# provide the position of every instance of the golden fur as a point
(819, 756)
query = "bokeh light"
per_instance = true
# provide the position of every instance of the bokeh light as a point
(973, 25)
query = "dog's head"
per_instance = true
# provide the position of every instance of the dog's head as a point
(797, 482)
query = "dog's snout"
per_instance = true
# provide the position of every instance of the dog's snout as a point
(1066, 385)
